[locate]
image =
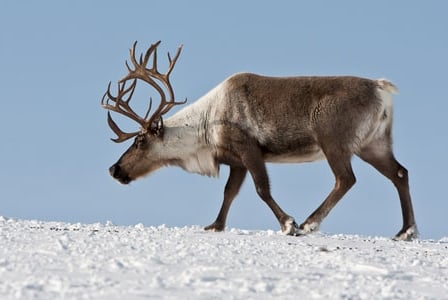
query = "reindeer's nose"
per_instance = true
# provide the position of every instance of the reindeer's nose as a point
(114, 170)
(117, 173)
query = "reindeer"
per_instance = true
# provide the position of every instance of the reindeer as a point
(249, 120)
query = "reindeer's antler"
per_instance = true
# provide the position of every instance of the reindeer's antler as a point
(152, 76)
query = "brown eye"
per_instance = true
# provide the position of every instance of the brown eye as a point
(140, 141)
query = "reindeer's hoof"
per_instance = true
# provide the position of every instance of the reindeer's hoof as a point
(307, 228)
(407, 234)
(215, 227)
(290, 227)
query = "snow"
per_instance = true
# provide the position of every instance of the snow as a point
(55, 260)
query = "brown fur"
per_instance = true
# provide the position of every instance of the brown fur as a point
(249, 120)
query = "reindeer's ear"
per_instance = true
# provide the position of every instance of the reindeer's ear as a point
(157, 127)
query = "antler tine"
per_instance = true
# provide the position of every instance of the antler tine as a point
(171, 105)
(151, 49)
(142, 61)
(139, 69)
(122, 106)
(149, 107)
(121, 135)
(103, 103)
(154, 59)
(173, 61)
(132, 56)
(165, 105)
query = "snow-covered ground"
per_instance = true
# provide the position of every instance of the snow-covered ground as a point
(54, 260)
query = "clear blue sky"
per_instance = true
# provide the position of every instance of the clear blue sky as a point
(56, 58)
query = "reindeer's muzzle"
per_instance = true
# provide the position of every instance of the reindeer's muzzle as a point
(117, 173)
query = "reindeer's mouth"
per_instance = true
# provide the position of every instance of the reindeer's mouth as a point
(124, 180)
(117, 173)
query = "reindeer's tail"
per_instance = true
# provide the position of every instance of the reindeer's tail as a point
(387, 86)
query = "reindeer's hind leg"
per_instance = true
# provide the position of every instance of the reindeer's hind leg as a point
(380, 156)
(340, 164)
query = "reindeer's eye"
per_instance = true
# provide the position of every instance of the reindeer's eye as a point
(140, 141)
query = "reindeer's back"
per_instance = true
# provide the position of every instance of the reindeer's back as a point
(286, 113)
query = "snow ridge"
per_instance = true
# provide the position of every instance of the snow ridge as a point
(55, 260)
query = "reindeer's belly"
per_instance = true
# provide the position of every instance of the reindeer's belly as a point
(295, 157)
(300, 150)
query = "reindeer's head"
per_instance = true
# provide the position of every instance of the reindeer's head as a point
(143, 156)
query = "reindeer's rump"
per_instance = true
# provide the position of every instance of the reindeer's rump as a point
(291, 116)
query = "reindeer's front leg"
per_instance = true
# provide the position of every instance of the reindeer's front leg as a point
(236, 178)
(253, 160)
